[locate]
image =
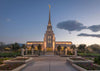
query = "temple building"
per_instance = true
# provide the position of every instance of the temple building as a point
(49, 43)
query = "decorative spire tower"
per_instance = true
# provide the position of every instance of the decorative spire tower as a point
(49, 37)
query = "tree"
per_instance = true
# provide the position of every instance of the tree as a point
(15, 46)
(81, 47)
(64, 49)
(32, 46)
(24, 46)
(73, 47)
(94, 48)
(59, 48)
(39, 48)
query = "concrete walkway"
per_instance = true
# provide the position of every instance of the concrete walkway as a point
(49, 64)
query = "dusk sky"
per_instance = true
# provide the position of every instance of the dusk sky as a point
(27, 20)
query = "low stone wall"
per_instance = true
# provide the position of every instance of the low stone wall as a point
(19, 68)
(17, 61)
(16, 69)
(78, 67)
(31, 55)
(78, 61)
(82, 69)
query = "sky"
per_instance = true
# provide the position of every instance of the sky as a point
(27, 20)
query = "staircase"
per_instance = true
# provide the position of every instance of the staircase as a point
(49, 53)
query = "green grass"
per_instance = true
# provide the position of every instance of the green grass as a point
(10, 54)
(89, 54)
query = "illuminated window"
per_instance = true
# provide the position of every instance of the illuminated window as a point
(50, 37)
(50, 41)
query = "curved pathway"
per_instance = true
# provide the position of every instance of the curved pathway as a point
(49, 63)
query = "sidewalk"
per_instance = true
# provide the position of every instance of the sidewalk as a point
(49, 65)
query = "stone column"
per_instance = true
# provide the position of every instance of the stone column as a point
(32, 51)
(26, 51)
(75, 52)
(65, 51)
(22, 52)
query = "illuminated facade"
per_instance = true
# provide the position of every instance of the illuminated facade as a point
(49, 43)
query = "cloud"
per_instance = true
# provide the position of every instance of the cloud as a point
(94, 28)
(91, 35)
(71, 25)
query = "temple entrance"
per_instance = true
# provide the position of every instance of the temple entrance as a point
(49, 51)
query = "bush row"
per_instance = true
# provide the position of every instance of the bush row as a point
(10, 54)
(97, 60)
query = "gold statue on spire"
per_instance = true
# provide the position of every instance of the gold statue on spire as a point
(49, 6)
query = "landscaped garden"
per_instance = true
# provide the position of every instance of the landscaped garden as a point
(84, 64)
(97, 60)
(10, 66)
(10, 54)
(2, 59)
(89, 54)
(88, 66)
(13, 63)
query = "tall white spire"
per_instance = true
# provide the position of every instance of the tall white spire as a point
(49, 22)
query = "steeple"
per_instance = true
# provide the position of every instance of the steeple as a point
(49, 22)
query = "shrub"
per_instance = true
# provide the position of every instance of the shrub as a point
(97, 60)
(10, 54)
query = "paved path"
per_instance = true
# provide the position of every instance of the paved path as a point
(54, 63)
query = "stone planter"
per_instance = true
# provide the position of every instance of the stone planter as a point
(16, 69)
(81, 61)
(17, 61)
(82, 69)
(78, 61)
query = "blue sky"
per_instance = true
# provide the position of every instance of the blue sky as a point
(26, 20)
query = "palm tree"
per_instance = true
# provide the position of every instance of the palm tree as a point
(39, 48)
(59, 48)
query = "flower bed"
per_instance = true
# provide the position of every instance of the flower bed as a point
(97, 60)
(18, 59)
(2, 59)
(88, 66)
(78, 59)
(10, 66)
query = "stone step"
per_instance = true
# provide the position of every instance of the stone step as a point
(49, 53)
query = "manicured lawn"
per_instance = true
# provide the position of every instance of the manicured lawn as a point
(88, 54)
(10, 54)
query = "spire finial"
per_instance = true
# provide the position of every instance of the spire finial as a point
(49, 22)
